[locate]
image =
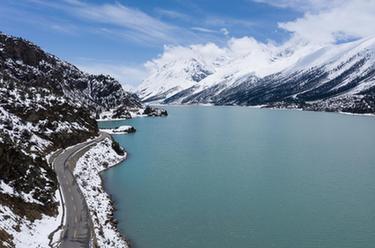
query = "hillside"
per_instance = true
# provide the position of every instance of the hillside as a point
(45, 104)
(339, 77)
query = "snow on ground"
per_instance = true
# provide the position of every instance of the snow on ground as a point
(125, 129)
(108, 115)
(26, 197)
(26, 233)
(18, 127)
(87, 173)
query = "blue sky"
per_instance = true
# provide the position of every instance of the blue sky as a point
(97, 35)
(64, 29)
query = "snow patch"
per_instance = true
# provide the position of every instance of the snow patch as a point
(25, 233)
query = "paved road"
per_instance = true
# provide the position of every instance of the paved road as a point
(78, 228)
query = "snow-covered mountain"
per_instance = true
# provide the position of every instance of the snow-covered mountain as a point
(45, 104)
(174, 77)
(336, 77)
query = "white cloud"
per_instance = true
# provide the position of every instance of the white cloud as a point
(225, 31)
(210, 54)
(204, 30)
(206, 53)
(172, 14)
(125, 74)
(303, 5)
(128, 23)
(125, 17)
(240, 46)
(64, 28)
(350, 19)
(227, 21)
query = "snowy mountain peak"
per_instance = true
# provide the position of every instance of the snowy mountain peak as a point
(173, 76)
(295, 74)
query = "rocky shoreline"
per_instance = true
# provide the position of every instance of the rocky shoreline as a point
(113, 220)
(90, 165)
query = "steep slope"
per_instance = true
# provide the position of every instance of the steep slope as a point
(35, 118)
(296, 75)
(45, 104)
(336, 78)
(22, 60)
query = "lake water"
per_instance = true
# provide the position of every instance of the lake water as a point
(241, 177)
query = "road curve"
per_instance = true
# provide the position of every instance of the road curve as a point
(77, 229)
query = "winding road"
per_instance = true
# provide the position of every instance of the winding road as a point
(77, 229)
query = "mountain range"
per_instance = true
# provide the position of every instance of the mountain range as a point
(335, 77)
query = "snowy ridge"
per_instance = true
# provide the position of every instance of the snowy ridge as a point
(184, 74)
(338, 77)
(243, 57)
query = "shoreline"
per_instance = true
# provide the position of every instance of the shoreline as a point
(112, 202)
(119, 119)
(259, 107)
(88, 175)
(308, 110)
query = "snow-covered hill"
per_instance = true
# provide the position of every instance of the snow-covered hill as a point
(45, 104)
(336, 77)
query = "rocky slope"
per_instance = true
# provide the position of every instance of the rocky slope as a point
(45, 104)
(331, 78)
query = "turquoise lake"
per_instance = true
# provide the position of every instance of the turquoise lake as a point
(242, 177)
